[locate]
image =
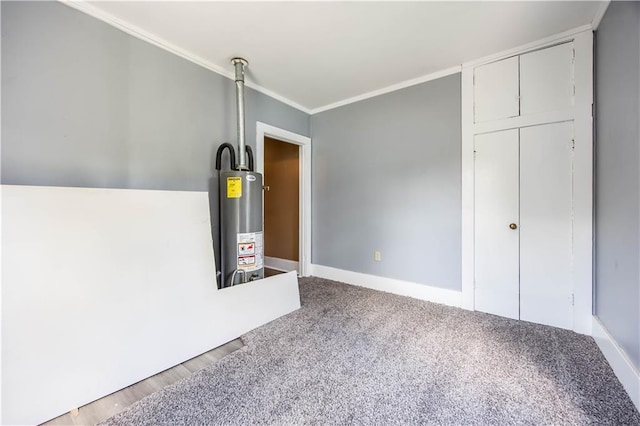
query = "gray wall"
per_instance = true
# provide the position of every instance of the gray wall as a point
(84, 104)
(617, 186)
(386, 176)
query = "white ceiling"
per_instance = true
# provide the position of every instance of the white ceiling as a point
(315, 54)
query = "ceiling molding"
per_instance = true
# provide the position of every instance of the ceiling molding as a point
(600, 14)
(158, 41)
(388, 89)
(169, 47)
(557, 38)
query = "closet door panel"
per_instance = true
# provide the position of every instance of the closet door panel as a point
(546, 79)
(546, 224)
(496, 90)
(496, 207)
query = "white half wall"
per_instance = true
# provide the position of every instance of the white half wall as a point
(102, 288)
(390, 285)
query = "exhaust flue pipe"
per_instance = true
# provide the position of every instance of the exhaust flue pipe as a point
(240, 204)
(239, 65)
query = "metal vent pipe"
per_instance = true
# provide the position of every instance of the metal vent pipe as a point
(239, 65)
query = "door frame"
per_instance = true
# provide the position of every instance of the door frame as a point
(581, 115)
(304, 209)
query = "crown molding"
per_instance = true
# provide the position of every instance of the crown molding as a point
(600, 14)
(557, 38)
(388, 89)
(157, 41)
(139, 33)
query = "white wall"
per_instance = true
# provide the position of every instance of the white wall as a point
(102, 288)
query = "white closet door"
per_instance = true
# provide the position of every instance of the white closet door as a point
(546, 224)
(496, 91)
(496, 207)
(546, 79)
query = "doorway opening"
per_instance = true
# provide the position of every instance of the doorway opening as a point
(281, 206)
(284, 159)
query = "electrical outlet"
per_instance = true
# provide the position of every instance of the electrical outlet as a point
(377, 256)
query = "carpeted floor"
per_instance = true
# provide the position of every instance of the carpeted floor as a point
(356, 356)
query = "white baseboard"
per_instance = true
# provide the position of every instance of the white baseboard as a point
(278, 264)
(622, 366)
(390, 285)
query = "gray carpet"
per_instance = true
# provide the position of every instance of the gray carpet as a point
(356, 356)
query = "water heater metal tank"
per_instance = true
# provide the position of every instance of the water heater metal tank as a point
(241, 235)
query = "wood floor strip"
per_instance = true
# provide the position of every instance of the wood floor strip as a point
(103, 408)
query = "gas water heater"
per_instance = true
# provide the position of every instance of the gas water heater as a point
(240, 205)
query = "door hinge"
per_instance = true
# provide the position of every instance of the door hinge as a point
(573, 299)
(573, 143)
(573, 56)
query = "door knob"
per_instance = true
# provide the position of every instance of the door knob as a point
(513, 226)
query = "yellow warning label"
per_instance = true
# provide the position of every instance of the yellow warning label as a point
(234, 187)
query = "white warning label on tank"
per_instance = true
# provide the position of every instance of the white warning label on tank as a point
(246, 248)
(246, 260)
(250, 249)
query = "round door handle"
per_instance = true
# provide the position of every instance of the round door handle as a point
(513, 226)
